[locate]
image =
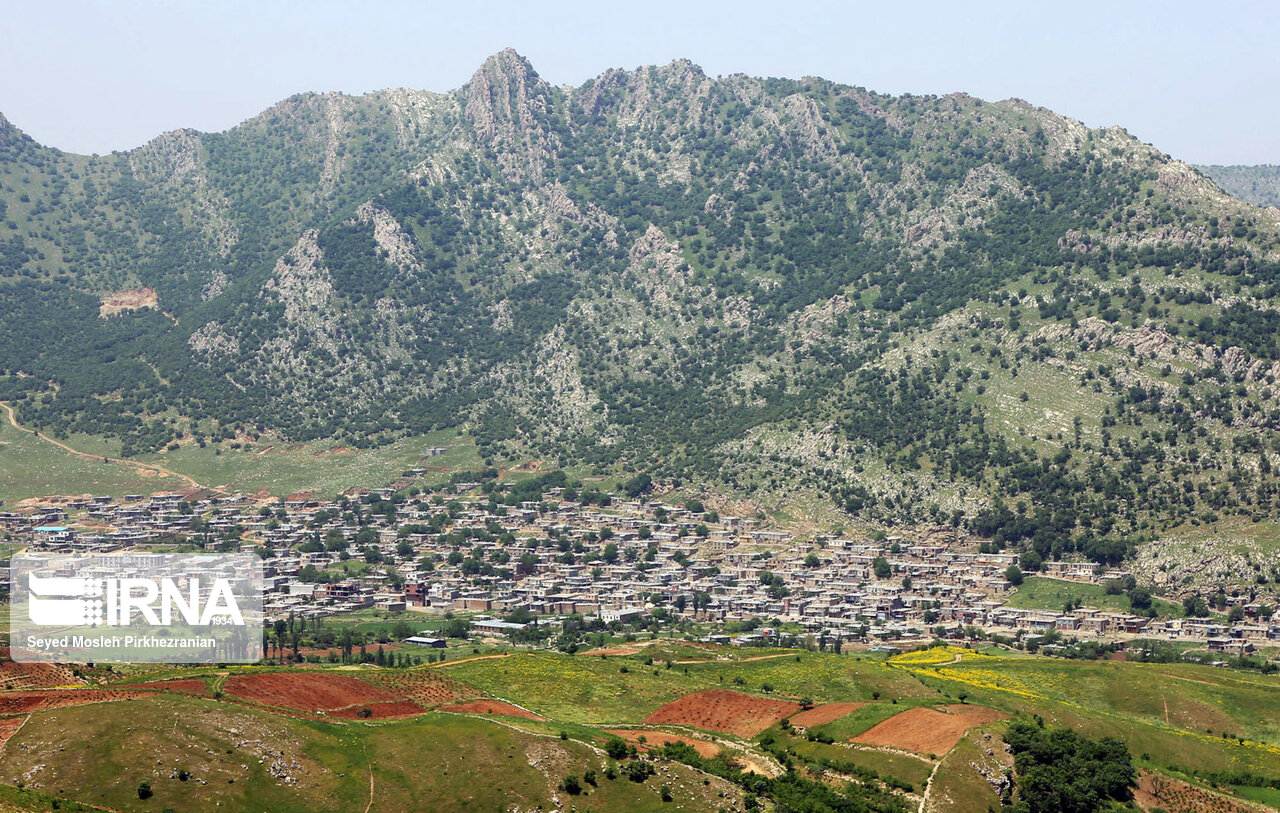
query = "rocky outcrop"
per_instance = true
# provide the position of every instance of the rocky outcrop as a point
(397, 246)
(506, 105)
(170, 156)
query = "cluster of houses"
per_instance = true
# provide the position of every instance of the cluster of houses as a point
(558, 557)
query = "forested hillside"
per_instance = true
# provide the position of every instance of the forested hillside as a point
(925, 309)
(1256, 184)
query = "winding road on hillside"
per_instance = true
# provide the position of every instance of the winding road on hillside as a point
(150, 467)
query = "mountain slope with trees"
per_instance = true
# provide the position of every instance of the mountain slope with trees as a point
(1259, 185)
(917, 309)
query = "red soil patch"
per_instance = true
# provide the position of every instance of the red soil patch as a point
(612, 652)
(191, 686)
(1174, 794)
(655, 739)
(723, 710)
(426, 688)
(15, 675)
(824, 713)
(24, 702)
(306, 691)
(928, 731)
(379, 711)
(33, 675)
(492, 707)
(8, 727)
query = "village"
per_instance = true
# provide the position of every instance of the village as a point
(456, 549)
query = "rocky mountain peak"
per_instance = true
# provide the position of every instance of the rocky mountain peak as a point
(504, 102)
(169, 156)
(507, 63)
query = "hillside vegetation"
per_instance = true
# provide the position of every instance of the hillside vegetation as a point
(922, 730)
(911, 309)
(1255, 184)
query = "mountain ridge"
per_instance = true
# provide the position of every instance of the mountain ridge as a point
(757, 284)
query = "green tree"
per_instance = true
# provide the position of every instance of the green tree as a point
(1059, 771)
(1140, 598)
(880, 566)
(1195, 607)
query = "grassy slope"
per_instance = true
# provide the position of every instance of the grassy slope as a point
(1128, 701)
(98, 754)
(109, 748)
(322, 467)
(914, 770)
(591, 689)
(1041, 593)
(957, 786)
(31, 467)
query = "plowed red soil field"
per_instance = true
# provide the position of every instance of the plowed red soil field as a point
(824, 713)
(43, 700)
(191, 686)
(928, 731)
(427, 688)
(654, 739)
(1181, 796)
(723, 710)
(306, 691)
(9, 726)
(33, 675)
(492, 707)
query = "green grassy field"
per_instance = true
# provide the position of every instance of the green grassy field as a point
(240, 758)
(859, 720)
(592, 689)
(1175, 713)
(906, 768)
(482, 765)
(31, 467)
(279, 469)
(957, 786)
(1041, 593)
(1267, 796)
(248, 757)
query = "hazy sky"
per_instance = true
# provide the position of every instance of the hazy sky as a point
(1198, 83)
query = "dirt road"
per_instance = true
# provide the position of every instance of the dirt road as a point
(151, 467)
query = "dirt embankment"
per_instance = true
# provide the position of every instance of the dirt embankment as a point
(130, 300)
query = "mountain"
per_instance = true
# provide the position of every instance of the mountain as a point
(1259, 185)
(911, 309)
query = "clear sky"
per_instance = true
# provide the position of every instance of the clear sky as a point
(1198, 82)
